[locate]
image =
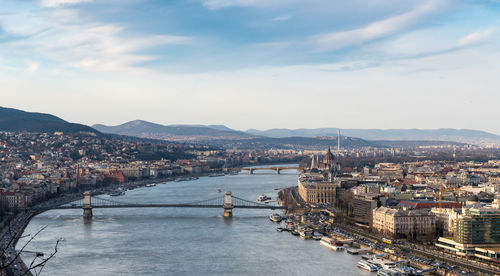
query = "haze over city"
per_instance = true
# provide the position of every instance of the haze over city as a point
(255, 64)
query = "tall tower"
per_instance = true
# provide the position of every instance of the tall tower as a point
(338, 143)
(338, 151)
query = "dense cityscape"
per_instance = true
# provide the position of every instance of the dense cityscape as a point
(441, 214)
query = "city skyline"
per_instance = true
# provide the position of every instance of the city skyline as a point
(254, 64)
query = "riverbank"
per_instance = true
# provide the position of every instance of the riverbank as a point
(18, 224)
(424, 258)
(76, 195)
(134, 221)
(171, 241)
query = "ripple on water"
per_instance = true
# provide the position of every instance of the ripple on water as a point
(185, 241)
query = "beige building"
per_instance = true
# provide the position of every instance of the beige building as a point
(410, 224)
(314, 190)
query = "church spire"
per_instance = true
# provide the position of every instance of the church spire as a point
(313, 162)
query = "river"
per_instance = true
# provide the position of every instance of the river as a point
(162, 241)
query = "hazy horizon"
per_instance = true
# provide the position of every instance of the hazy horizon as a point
(262, 129)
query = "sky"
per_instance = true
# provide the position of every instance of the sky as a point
(255, 63)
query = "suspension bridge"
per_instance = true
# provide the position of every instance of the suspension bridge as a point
(226, 201)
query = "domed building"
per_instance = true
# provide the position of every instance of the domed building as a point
(328, 163)
(318, 184)
(328, 159)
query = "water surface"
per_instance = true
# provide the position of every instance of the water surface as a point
(160, 241)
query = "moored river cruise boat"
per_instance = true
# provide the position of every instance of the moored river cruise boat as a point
(332, 244)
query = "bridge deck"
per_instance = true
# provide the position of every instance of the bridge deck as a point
(217, 202)
(271, 207)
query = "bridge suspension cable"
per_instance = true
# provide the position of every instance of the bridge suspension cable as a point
(215, 202)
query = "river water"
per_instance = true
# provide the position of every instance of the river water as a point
(150, 241)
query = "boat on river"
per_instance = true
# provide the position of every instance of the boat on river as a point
(389, 272)
(275, 217)
(317, 236)
(332, 244)
(263, 198)
(367, 266)
(117, 193)
(151, 185)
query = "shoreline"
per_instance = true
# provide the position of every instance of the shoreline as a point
(130, 185)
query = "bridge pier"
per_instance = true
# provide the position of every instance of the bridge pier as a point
(87, 205)
(251, 171)
(278, 171)
(87, 213)
(228, 206)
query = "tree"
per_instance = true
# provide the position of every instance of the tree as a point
(8, 240)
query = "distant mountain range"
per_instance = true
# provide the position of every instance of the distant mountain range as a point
(17, 120)
(227, 137)
(444, 134)
(145, 129)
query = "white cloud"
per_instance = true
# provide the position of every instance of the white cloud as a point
(219, 4)
(67, 40)
(58, 3)
(105, 48)
(476, 37)
(378, 29)
(32, 67)
(282, 18)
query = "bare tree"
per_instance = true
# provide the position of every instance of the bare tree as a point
(8, 240)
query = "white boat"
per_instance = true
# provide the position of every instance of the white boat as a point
(275, 217)
(263, 198)
(389, 272)
(317, 236)
(381, 263)
(151, 185)
(332, 244)
(366, 266)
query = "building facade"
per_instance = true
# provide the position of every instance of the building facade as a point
(410, 224)
(316, 192)
(363, 206)
(477, 233)
(478, 226)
